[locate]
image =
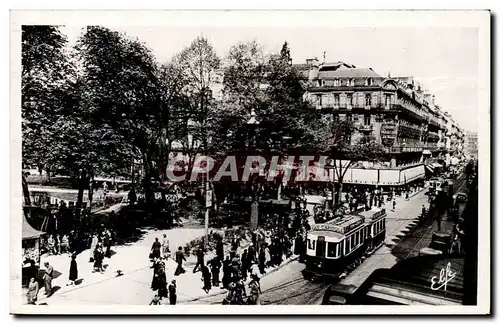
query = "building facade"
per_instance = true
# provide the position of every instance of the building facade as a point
(396, 111)
(471, 148)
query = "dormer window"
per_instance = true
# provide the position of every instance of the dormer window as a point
(350, 82)
(369, 81)
(336, 82)
(320, 83)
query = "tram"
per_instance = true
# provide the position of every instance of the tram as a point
(338, 246)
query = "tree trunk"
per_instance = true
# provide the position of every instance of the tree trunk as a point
(26, 192)
(254, 209)
(81, 188)
(148, 190)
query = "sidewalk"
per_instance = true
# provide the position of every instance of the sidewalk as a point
(133, 287)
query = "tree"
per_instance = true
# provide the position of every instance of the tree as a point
(345, 153)
(46, 72)
(270, 87)
(199, 67)
(121, 93)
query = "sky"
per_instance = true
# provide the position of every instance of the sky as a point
(443, 59)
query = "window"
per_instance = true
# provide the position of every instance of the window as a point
(320, 100)
(367, 119)
(349, 117)
(387, 100)
(369, 81)
(336, 82)
(311, 244)
(350, 82)
(347, 245)
(332, 250)
(368, 100)
(320, 83)
(349, 100)
(336, 99)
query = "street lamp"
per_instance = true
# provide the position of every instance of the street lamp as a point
(254, 208)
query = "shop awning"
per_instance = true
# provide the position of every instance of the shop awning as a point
(29, 232)
(431, 169)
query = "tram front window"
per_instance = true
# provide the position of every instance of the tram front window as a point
(321, 247)
(332, 250)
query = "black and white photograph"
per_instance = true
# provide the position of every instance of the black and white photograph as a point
(250, 162)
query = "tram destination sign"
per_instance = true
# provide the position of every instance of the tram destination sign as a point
(341, 228)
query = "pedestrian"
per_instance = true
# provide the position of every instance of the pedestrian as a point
(73, 270)
(47, 278)
(220, 249)
(107, 244)
(252, 253)
(155, 249)
(179, 258)
(98, 258)
(424, 211)
(226, 275)
(215, 269)
(255, 290)
(156, 279)
(162, 281)
(64, 244)
(438, 221)
(460, 234)
(267, 253)
(156, 300)
(132, 197)
(234, 245)
(57, 243)
(200, 262)
(32, 293)
(206, 278)
(165, 246)
(394, 204)
(93, 246)
(245, 265)
(51, 245)
(172, 292)
(262, 261)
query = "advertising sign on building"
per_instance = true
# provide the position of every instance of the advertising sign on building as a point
(388, 132)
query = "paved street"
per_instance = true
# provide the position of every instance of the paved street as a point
(286, 285)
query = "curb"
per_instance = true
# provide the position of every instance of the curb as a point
(293, 258)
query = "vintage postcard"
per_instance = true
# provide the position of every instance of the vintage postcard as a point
(250, 162)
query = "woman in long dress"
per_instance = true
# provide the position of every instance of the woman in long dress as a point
(98, 257)
(32, 291)
(73, 270)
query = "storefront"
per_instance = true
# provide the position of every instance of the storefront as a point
(30, 251)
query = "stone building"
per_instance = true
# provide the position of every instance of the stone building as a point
(396, 111)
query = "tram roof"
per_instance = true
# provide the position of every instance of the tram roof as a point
(373, 214)
(341, 225)
(328, 234)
